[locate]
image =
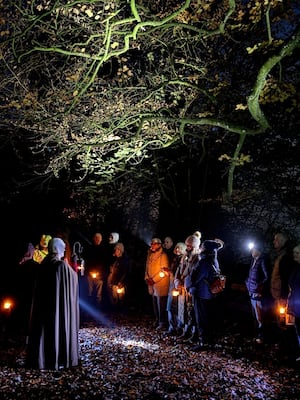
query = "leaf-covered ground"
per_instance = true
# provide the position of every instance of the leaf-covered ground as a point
(124, 357)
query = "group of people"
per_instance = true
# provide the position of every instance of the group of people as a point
(179, 282)
(54, 277)
(178, 278)
(106, 267)
(273, 284)
(52, 336)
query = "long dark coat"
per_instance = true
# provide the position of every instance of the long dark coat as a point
(54, 325)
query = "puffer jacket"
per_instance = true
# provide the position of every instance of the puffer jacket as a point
(258, 277)
(201, 277)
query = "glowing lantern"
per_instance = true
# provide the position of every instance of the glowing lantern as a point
(94, 275)
(121, 290)
(281, 311)
(175, 292)
(7, 305)
(161, 274)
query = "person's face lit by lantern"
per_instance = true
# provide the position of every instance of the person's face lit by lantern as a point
(118, 250)
(179, 249)
(155, 245)
(97, 239)
(44, 241)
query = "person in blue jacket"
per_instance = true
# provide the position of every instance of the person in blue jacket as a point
(201, 277)
(257, 284)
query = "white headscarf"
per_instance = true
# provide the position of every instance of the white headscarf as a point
(57, 247)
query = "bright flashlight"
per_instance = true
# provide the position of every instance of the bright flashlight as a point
(250, 245)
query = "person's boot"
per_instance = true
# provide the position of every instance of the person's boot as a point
(185, 334)
(193, 338)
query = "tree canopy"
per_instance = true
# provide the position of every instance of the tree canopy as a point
(140, 92)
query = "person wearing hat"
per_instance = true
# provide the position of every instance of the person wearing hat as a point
(257, 283)
(157, 278)
(186, 316)
(117, 278)
(202, 274)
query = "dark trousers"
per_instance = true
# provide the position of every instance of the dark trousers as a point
(160, 309)
(201, 316)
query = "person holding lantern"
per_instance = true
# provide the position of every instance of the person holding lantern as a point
(116, 281)
(279, 281)
(95, 257)
(293, 307)
(157, 278)
(186, 314)
(172, 303)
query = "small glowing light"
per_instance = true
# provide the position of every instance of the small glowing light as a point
(281, 310)
(94, 275)
(120, 290)
(175, 292)
(161, 274)
(7, 305)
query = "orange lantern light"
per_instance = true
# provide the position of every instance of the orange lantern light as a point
(120, 290)
(161, 274)
(281, 310)
(175, 292)
(7, 305)
(282, 313)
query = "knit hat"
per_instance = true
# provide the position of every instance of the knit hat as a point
(193, 241)
(156, 240)
(114, 237)
(198, 234)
